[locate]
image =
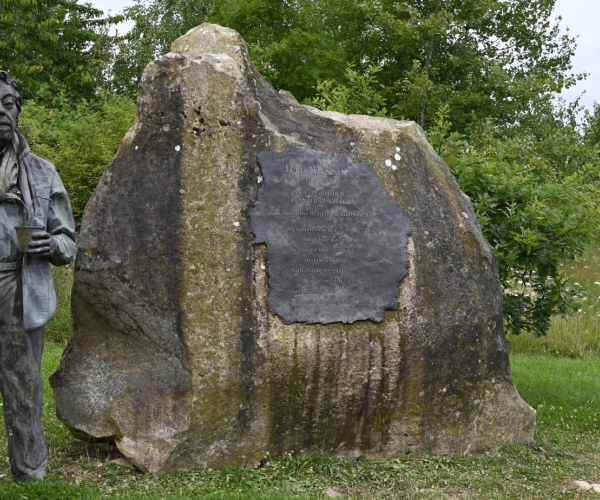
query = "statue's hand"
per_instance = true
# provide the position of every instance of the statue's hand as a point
(43, 244)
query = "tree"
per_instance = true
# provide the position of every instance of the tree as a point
(295, 45)
(592, 127)
(292, 44)
(53, 44)
(489, 60)
(360, 96)
(496, 61)
(157, 24)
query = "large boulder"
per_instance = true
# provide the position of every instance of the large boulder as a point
(181, 356)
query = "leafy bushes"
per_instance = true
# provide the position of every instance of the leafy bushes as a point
(534, 217)
(79, 139)
(358, 96)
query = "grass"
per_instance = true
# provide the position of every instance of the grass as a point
(563, 387)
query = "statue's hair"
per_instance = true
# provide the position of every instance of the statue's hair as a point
(9, 81)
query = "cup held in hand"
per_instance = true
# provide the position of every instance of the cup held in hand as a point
(24, 236)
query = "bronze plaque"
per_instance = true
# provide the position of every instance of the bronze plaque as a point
(336, 243)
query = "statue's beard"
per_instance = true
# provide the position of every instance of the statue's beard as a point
(6, 132)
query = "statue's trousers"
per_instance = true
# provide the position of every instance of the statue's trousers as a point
(21, 382)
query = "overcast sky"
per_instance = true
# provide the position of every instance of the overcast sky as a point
(581, 16)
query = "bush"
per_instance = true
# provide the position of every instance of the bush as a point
(534, 217)
(358, 96)
(80, 139)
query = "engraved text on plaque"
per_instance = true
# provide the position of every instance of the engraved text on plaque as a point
(336, 243)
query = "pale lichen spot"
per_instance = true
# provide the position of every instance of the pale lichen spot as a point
(388, 163)
(397, 156)
(236, 224)
(177, 148)
(394, 167)
(465, 215)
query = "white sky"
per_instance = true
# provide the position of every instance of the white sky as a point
(580, 16)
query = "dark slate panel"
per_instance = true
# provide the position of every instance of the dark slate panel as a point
(336, 243)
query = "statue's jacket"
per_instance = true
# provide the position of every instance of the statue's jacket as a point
(52, 210)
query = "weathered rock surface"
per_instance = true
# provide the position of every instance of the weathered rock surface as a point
(176, 355)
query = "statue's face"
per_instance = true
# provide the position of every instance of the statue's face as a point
(9, 113)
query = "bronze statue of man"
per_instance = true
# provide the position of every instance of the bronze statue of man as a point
(31, 194)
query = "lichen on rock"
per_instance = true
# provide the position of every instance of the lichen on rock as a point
(176, 355)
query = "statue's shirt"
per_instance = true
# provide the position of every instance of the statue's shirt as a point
(9, 172)
(11, 215)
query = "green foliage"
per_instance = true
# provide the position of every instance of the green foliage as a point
(292, 44)
(79, 139)
(295, 45)
(46, 42)
(60, 329)
(157, 24)
(592, 127)
(487, 59)
(357, 97)
(534, 218)
(575, 336)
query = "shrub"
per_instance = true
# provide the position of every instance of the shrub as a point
(358, 96)
(534, 218)
(80, 139)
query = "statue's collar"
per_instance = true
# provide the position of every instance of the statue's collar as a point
(21, 146)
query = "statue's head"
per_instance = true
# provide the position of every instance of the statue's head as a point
(10, 107)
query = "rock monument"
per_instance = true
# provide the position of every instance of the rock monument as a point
(256, 277)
